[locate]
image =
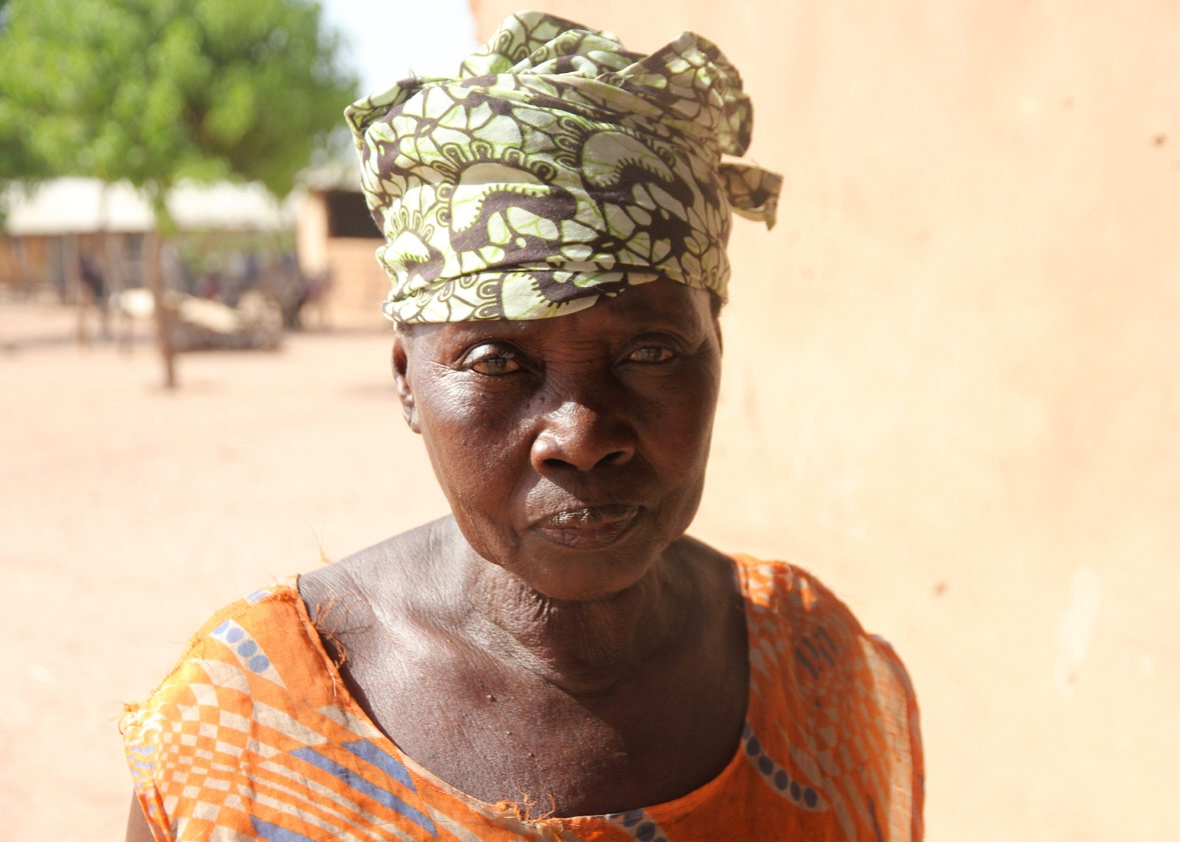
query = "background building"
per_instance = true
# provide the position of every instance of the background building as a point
(230, 236)
(336, 238)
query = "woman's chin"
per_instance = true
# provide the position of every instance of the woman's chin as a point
(591, 556)
(584, 574)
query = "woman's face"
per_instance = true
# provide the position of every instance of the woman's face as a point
(572, 449)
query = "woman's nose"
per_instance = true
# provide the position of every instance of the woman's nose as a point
(579, 435)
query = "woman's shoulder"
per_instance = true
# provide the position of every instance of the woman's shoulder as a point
(268, 613)
(256, 655)
(785, 586)
(256, 636)
(255, 698)
(257, 610)
(790, 610)
(834, 699)
(395, 573)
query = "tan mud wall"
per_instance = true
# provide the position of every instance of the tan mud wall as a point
(953, 377)
(357, 282)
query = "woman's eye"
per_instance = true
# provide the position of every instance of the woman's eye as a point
(494, 365)
(650, 354)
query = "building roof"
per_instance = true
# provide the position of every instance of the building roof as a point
(76, 206)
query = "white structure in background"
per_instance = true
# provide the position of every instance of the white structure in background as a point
(324, 221)
(77, 204)
(47, 227)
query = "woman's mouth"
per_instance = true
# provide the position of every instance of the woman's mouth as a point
(589, 527)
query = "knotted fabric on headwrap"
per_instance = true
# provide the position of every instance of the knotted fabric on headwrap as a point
(554, 169)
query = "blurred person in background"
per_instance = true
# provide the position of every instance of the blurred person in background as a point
(94, 291)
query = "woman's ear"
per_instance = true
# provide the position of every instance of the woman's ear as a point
(401, 379)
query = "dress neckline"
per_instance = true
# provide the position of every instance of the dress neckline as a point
(663, 811)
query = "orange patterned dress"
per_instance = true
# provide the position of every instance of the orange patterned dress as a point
(254, 736)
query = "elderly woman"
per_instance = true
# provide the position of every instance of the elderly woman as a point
(555, 659)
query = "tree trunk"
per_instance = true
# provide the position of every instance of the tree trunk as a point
(155, 279)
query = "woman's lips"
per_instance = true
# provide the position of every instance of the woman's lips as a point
(588, 527)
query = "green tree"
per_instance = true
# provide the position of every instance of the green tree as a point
(156, 91)
(17, 160)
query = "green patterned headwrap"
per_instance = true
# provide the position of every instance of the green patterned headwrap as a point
(554, 169)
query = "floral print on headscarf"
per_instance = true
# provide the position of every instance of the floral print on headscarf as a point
(557, 168)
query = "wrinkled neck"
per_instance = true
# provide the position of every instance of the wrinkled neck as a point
(584, 647)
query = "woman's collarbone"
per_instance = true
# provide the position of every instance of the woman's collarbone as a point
(494, 730)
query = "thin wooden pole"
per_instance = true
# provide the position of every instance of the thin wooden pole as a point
(155, 278)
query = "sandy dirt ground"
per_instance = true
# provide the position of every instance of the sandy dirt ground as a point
(129, 514)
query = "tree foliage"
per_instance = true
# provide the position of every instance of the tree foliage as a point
(155, 91)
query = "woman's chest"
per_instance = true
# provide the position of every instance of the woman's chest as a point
(499, 736)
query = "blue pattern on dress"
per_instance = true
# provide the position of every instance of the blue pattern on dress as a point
(639, 825)
(352, 779)
(274, 833)
(384, 761)
(776, 776)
